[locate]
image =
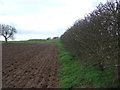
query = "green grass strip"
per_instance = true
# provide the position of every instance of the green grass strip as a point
(74, 73)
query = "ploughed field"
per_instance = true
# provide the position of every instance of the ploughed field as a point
(29, 66)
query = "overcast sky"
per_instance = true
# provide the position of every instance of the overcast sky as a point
(35, 19)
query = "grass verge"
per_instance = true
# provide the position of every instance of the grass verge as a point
(74, 73)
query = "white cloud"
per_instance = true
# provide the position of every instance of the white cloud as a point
(44, 15)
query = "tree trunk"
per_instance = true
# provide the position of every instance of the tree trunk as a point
(5, 39)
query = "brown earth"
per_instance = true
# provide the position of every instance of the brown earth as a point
(29, 66)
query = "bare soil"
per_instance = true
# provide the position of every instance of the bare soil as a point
(29, 66)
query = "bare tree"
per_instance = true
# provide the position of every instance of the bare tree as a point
(7, 31)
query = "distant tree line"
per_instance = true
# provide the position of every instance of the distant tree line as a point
(36, 39)
(95, 39)
(52, 38)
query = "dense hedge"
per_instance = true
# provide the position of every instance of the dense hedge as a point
(95, 38)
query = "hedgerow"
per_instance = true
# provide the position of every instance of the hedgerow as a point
(95, 39)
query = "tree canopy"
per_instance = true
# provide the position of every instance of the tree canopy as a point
(7, 31)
